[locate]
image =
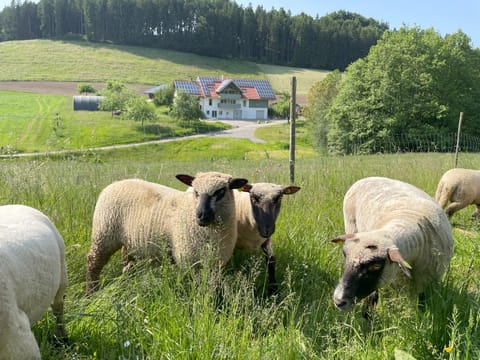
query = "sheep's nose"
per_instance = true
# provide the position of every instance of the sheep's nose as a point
(204, 212)
(341, 304)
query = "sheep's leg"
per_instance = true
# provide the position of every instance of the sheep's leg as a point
(476, 213)
(97, 258)
(270, 258)
(58, 308)
(127, 260)
(453, 207)
(369, 305)
(19, 342)
(422, 301)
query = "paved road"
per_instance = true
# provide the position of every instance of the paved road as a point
(242, 129)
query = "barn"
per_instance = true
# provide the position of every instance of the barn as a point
(86, 102)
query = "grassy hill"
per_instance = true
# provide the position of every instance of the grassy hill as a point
(93, 62)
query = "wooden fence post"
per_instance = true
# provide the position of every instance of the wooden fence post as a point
(293, 113)
(457, 147)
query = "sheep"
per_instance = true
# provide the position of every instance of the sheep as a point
(462, 188)
(33, 277)
(257, 208)
(145, 219)
(390, 226)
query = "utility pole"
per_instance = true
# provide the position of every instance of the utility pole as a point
(293, 113)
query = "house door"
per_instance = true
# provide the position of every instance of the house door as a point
(214, 114)
(237, 114)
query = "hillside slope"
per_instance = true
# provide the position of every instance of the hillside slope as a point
(77, 61)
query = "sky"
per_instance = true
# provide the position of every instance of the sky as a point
(444, 16)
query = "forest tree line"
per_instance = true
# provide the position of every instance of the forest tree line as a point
(219, 28)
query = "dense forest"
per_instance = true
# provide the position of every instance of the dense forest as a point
(219, 28)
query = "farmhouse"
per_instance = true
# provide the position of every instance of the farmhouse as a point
(229, 99)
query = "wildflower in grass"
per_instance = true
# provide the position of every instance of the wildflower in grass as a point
(126, 344)
(448, 349)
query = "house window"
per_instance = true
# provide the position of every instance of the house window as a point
(208, 112)
(210, 102)
(228, 101)
(244, 103)
(220, 112)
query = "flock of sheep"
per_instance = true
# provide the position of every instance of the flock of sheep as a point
(391, 228)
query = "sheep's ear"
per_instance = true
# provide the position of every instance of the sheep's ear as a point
(395, 256)
(342, 238)
(245, 188)
(186, 179)
(289, 190)
(237, 183)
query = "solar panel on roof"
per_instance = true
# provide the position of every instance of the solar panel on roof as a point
(188, 86)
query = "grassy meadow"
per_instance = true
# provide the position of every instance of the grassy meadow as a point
(161, 312)
(158, 311)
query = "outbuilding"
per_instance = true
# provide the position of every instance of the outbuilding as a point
(86, 102)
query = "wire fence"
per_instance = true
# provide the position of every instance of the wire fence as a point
(428, 143)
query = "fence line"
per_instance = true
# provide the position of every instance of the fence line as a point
(427, 143)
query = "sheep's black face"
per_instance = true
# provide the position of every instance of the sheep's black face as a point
(206, 204)
(265, 212)
(358, 281)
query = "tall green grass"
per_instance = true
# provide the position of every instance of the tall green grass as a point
(163, 312)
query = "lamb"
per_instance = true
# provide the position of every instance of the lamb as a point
(462, 188)
(390, 226)
(145, 219)
(33, 277)
(257, 208)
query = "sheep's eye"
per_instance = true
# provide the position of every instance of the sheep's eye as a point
(195, 192)
(374, 267)
(219, 193)
(256, 198)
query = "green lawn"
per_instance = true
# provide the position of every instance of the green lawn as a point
(32, 122)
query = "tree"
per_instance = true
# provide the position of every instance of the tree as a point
(164, 96)
(319, 99)
(86, 89)
(115, 96)
(281, 109)
(413, 82)
(139, 110)
(185, 107)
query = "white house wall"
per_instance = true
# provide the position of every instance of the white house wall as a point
(228, 114)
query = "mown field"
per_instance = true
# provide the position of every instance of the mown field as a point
(49, 60)
(161, 312)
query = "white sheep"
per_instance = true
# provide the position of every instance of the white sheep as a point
(257, 208)
(461, 187)
(146, 219)
(33, 277)
(390, 226)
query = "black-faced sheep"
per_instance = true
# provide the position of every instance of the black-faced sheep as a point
(33, 277)
(147, 218)
(390, 226)
(257, 208)
(461, 187)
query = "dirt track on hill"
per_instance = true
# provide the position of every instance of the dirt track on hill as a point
(57, 87)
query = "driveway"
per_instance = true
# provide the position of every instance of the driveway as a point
(245, 129)
(242, 129)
